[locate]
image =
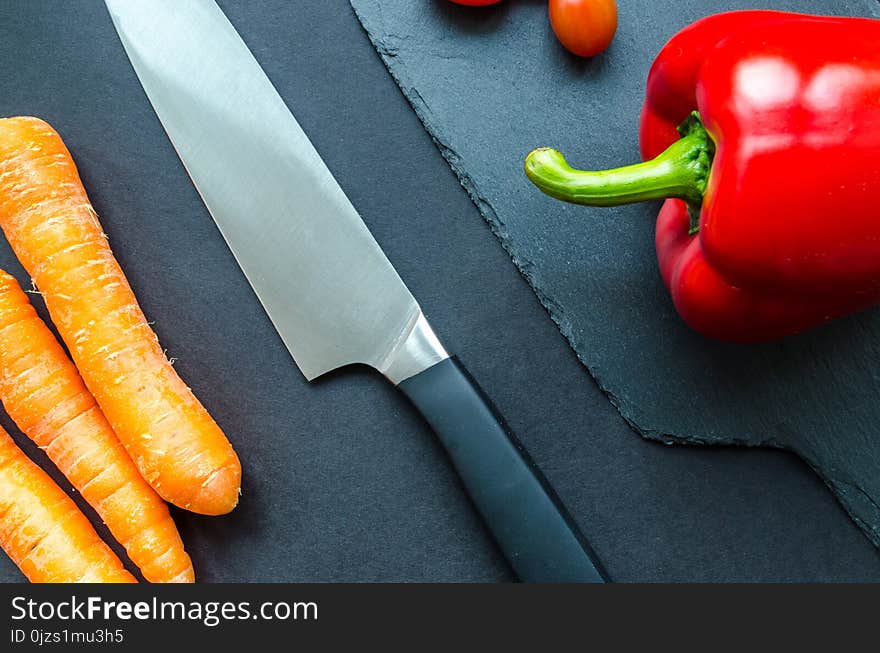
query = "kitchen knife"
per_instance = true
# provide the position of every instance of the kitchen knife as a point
(326, 285)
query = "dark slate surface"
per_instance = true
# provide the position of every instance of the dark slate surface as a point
(343, 481)
(595, 269)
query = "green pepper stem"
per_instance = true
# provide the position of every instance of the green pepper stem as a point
(681, 171)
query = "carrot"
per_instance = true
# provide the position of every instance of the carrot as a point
(54, 231)
(45, 396)
(44, 532)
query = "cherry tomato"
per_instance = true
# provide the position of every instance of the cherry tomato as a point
(476, 3)
(584, 27)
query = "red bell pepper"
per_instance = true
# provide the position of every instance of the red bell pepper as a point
(762, 132)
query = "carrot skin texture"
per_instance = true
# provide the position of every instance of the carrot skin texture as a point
(54, 231)
(45, 396)
(44, 532)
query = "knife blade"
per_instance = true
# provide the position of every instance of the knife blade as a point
(325, 283)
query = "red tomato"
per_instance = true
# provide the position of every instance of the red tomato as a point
(476, 3)
(584, 27)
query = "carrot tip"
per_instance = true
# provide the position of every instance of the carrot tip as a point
(219, 494)
(185, 576)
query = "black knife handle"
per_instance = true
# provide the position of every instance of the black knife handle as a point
(534, 531)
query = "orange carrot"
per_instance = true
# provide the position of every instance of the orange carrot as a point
(54, 231)
(45, 396)
(44, 532)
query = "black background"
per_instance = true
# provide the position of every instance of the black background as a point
(343, 481)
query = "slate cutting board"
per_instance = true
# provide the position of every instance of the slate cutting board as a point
(342, 479)
(490, 85)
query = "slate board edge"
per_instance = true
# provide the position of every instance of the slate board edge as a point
(845, 496)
